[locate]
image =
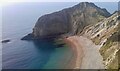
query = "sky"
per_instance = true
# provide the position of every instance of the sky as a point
(6, 2)
(58, 0)
(110, 6)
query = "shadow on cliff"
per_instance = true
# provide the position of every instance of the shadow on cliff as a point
(46, 47)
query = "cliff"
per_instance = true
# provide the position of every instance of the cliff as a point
(70, 20)
(106, 33)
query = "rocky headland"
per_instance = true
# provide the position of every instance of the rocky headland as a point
(70, 20)
(90, 30)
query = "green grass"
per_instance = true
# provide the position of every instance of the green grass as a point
(111, 42)
(114, 63)
(96, 40)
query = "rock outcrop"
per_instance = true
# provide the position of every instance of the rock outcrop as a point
(5, 41)
(106, 33)
(70, 20)
(52, 24)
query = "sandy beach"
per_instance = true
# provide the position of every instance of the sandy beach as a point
(86, 53)
(78, 51)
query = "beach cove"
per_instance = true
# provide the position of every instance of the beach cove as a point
(86, 53)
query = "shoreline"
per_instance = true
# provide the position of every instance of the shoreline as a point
(86, 53)
(76, 62)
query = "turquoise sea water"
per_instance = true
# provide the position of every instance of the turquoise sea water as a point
(17, 21)
(34, 55)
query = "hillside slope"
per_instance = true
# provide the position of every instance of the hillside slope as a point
(70, 20)
(106, 33)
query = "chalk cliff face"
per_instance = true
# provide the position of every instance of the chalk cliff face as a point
(70, 20)
(107, 34)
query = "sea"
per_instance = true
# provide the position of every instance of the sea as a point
(18, 19)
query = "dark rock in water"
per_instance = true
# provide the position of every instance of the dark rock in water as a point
(5, 41)
(31, 37)
(70, 20)
(28, 37)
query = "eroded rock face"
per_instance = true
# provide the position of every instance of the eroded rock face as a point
(70, 20)
(52, 24)
(106, 33)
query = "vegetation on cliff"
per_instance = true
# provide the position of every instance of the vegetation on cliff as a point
(107, 34)
(111, 49)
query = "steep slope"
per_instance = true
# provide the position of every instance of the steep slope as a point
(106, 33)
(70, 20)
